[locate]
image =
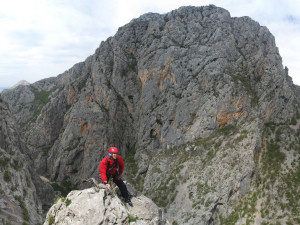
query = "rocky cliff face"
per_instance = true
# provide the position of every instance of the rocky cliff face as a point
(198, 103)
(24, 195)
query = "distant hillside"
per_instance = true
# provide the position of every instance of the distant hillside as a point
(20, 83)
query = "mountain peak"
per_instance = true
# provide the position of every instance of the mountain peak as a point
(21, 82)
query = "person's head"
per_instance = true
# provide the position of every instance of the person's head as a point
(113, 152)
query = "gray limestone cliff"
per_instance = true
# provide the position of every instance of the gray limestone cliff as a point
(200, 106)
(23, 195)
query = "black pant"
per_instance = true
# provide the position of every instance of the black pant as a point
(121, 185)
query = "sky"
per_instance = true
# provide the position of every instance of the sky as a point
(44, 38)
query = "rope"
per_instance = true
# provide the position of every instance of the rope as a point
(115, 194)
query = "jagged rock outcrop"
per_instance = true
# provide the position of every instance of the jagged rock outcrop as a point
(199, 104)
(95, 206)
(23, 195)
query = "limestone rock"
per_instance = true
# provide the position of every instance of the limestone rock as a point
(94, 206)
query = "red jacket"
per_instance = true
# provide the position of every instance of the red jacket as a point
(112, 169)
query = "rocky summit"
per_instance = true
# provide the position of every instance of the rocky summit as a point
(199, 105)
(97, 206)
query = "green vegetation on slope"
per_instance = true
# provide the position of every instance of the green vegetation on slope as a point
(276, 199)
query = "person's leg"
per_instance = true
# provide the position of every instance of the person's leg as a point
(122, 187)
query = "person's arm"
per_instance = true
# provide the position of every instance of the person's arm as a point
(121, 165)
(102, 170)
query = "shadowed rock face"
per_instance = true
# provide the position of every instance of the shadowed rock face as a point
(23, 194)
(197, 94)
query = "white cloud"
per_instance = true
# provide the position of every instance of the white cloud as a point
(43, 38)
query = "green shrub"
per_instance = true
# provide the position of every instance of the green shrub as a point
(231, 219)
(23, 207)
(132, 218)
(217, 145)
(7, 176)
(68, 202)
(51, 220)
(15, 166)
(42, 96)
(4, 161)
(64, 188)
(59, 197)
(293, 121)
(132, 168)
(274, 150)
(45, 151)
(227, 129)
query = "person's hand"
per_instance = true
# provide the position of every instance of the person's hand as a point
(107, 186)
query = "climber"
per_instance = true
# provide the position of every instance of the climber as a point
(112, 166)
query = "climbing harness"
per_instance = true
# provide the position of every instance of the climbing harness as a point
(111, 167)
